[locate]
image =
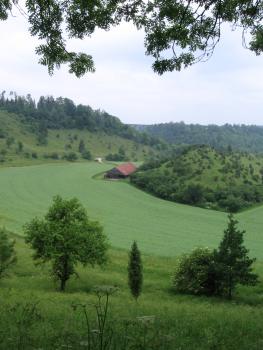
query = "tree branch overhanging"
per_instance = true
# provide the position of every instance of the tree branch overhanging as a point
(178, 33)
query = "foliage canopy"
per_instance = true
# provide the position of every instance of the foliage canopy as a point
(177, 33)
(202, 176)
(195, 273)
(62, 113)
(245, 138)
(216, 272)
(66, 237)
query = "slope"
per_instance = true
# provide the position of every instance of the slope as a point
(202, 176)
(160, 227)
(19, 143)
(248, 138)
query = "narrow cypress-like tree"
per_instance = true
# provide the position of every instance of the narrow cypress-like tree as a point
(232, 261)
(7, 253)
(82, 147)
(135, 274)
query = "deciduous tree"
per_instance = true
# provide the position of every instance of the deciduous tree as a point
(178, 33)
(66, 237)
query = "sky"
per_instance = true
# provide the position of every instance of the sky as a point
(226, 89)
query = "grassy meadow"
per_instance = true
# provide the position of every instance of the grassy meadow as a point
(162, 228)
(34, 315)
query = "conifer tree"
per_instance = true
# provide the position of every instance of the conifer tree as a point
(135, 274)
(7, 253)
(232, 262)
(81, 146)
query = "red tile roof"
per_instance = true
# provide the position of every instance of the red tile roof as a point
(126, 168)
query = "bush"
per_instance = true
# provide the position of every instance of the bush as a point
(71, 157)
(34, 155)
(115, 157)
(195, 273)
(53, 155)
(86, 155)
(193, 194)
(231, 203)
(217, 272)
(2, 134)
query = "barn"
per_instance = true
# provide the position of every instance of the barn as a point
(121, 172)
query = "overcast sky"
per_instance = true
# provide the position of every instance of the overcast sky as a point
(226, 89)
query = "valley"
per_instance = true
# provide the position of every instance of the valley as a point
(34, 167)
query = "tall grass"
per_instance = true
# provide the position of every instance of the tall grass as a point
(34, 315)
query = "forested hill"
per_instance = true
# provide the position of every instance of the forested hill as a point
(202, 176)
(63, 113)
(247, 138)
(57, 129)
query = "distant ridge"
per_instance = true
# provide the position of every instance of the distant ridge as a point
(247, 138)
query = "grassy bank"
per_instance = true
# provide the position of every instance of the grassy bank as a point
(34, 315)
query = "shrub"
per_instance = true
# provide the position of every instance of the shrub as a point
(231, 203)
(195, 273)
(53, 155)
(86, 155)
(216, 272)
(2, 134)
(34, 155)
(9, 141)
(71, 156)
(3, 152)
(193, 194)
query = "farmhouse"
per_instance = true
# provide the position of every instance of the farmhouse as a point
(120, 172)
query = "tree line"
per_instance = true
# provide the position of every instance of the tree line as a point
(62, 113)
(247, 138)
(204, 177)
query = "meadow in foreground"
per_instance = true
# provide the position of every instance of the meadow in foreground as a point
(34, 315)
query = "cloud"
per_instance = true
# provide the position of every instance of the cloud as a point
(228, 88)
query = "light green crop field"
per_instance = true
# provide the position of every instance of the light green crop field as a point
(160, 227)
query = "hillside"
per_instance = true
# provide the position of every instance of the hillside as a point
(20, 144)
(160, 227)
(34, 315)
(202, 176)
(248, 138)
(57, 128)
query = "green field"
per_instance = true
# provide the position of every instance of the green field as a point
(160, 227)
(163, 230)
